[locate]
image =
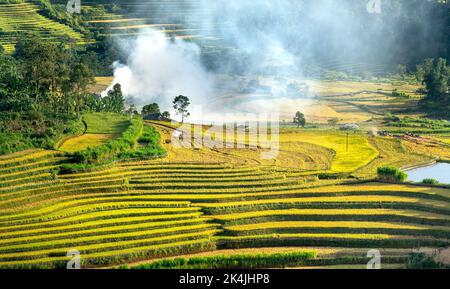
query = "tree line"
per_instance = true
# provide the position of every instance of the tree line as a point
(434, 74)
(43, 92)
(42, 76)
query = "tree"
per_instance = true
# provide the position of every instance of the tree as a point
(166, 114)
(437, 81)
(131, 110)
(14, 91)
(114, 101)
(300, 119)
(80, 76)
(93, 102)
(40, 64)
(180, 104)
(391, 175)
(423, 69)
(151, 109)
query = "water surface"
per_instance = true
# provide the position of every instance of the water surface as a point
(438, 171)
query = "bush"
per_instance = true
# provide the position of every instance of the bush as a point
(13, 142)
(396, 93)
(19, 131)
(391, 174)
(150, 141)
(333, 176)
(430, 182)
(94, 159)
(422, 261)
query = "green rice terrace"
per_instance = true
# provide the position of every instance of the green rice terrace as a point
(19, 19)
(131, 211)
(28, 17)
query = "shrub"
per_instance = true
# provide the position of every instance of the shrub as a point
(396, 93)
(430, 182)
(27, 130)
(13, 142)
(151, 148)
(391, 174)
(333, 176)
(423, 261)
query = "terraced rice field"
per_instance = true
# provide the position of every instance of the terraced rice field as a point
(326, 258)
(392, 152)
(87, 140)
(19, 19)
(136, 211)
(347, 159)
(56, 216)
(144, 17)
(430, 149)
(100, 128)
(359, 101)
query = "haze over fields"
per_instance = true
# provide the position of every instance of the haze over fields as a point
(281, 39)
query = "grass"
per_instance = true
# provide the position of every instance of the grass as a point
(360, 151)
(87, 242)
(312, 150)
(101, 128)
(117, 256)
(429, 149)
(106, 123)
(445, 139)
(119, 25)
(85, 141)
(97, 221)
(392, 152)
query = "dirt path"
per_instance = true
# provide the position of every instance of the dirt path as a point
(64, 140)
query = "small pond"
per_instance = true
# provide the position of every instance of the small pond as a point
(438, 171)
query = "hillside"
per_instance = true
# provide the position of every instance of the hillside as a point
(18, 20)
(141, 210)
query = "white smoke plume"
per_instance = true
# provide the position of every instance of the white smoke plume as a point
(159, 68)
(265, 48)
